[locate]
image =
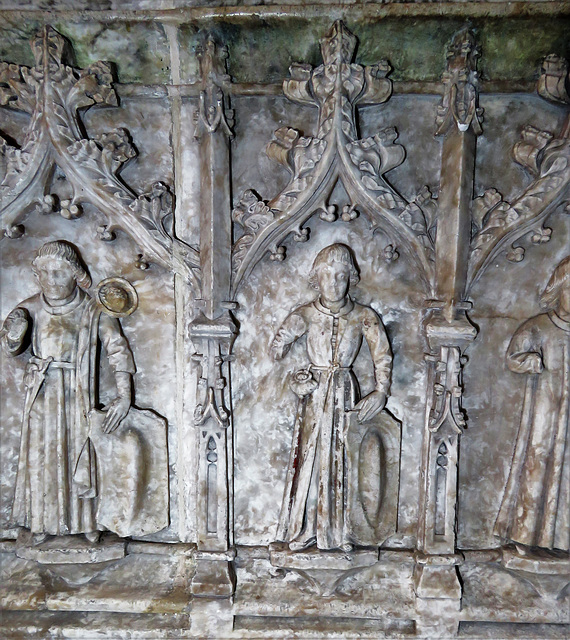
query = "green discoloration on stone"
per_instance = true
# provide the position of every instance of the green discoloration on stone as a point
(139, 50)
(188, 38)
(415, 48)
(261, 50)
(15, 41)
(514, 49)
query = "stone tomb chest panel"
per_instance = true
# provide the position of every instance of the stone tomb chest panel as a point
(285, 331)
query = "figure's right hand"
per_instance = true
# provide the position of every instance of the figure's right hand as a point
(533, 363)
(16, 325)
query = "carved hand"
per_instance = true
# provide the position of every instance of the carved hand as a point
(533, 363)
(15, 325)
(369, 406)
(118, 409)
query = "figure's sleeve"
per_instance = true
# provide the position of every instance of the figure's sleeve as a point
(292, 329)
(524, 354)
(116, 346)
(15, 332)
(377, 340)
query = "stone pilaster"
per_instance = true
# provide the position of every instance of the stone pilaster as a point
(448, 331)
(213, 332)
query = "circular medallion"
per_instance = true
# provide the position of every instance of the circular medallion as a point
(117, 296)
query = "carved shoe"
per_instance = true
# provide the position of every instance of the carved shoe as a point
(299, 545)
(93, 536)
(38, 538)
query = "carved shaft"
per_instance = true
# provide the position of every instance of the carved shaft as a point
(440, 454)
(215, 452)
(213, 332)
(449, 330)
(454, 225)
(215, 220)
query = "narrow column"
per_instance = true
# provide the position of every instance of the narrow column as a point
(213, 332)
(448, 333)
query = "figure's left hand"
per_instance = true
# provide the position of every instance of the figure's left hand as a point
(116, 411)
(369, 406)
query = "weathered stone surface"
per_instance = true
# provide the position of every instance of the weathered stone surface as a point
(203, 171)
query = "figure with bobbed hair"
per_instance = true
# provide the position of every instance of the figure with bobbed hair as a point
(315, 505)
(56, 483)
(535, 511)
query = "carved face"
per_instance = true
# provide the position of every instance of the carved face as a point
(114, 298)
(56, 278)
(334, 281)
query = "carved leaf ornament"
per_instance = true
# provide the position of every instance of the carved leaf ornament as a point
(499, 225)
(335, 153)
(53, 94)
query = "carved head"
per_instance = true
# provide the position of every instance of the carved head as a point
(333, 271)
(557, 293)
(59, 269)
(114, 298)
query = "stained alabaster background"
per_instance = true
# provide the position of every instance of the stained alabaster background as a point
(263, 405)
(506, 295)
(150, 330)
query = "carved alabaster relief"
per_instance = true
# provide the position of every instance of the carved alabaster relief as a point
(446, 327)
(82, 469)
(342, 480)
(535, 511)
(54, 94)
(335, 153)
(213, 331)
(499, 225)
(554, 79)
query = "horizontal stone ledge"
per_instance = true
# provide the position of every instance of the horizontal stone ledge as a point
(324, 625)
(160, 548)
(249, 89)
(84, 599)
(387, 553)
(353, 12)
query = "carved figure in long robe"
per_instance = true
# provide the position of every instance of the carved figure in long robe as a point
(59, 483)
(315, 505)
(536, 505)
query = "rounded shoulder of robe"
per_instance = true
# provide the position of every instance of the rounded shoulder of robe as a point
(367, 315)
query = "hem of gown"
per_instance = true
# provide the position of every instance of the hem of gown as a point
(55, 532)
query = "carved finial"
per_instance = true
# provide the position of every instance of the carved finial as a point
(47, 47)
(462, 53)
(213, 111)
(460, 100)
(554, 80)
(338, 45)
(212, 58)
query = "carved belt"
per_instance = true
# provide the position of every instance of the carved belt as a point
(332, 367)
(44, 363)
(61, 364)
